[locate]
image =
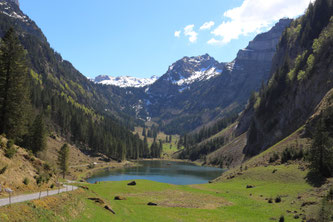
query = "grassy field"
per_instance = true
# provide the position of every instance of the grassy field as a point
(226, 200)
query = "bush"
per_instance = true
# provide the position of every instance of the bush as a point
(291, 153)
(47, 167)
(2, 144)
(281, 219)
(92, 165)
(10, 144)
(26, 181)
(10, 152)
(42, 178)
(286, 155)
(3, 170)
(274, 158)
(278, 199)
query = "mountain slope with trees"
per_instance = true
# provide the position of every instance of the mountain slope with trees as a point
(302, 75)
(71, 105)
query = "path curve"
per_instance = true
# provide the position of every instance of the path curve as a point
(35, 196)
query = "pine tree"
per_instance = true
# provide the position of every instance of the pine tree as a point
(144, 132)
(38, 135)
(160, 149)
(321, 151)
(121, 151)
(63, 156)
(145, 148)
(14, 92)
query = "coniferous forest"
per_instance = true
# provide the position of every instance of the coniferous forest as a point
(33, 105)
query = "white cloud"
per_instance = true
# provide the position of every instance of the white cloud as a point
(213, 41)
(177, 34)
(188, 31)
(207, 25)
(254, 15)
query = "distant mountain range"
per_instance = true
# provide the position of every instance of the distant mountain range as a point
(198, 90)
(124, 81)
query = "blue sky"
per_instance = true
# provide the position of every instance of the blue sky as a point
(142, 38)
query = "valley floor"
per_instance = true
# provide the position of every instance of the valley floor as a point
(225, 200)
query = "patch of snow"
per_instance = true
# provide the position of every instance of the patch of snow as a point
(204, 74)
(7, 10)
(127, 81)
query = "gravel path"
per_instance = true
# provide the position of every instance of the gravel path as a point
(34, 196)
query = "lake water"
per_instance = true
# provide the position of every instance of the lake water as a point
(179, 173)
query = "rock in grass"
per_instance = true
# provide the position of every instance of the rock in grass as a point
(119, 198)
(84, 187)
(109, 209)
(97, 200)
(133, 183)
(249, 186)
(152, 204)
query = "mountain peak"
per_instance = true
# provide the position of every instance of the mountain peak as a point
(16, 2)
(190, 69)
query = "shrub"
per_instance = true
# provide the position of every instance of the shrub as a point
(91, 166)
(286, 155)
(3, 170)
(278, 199)
(26, 181)
(10, 152)
(330, 195)
(281, 219)
(2, 144)
(47, 167)
(42, 178)
(10, 144)
(274, 158)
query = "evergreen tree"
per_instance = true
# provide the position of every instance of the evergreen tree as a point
(63, 156)
(321, 151)
(38, 135)
(145, 148)
(121, 151)
(144, 132)
(160, 150)
(14, 92)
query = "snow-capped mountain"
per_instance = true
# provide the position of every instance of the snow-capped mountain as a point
(191, 69)
(125, 81)
(11, 9)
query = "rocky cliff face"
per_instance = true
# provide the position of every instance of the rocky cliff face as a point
(9, 9)
(197, 90)
(16, 2)
(263, 46)
(302, 75)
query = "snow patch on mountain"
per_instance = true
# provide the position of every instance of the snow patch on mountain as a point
(125, 81)
(6, 8)
(204, 74)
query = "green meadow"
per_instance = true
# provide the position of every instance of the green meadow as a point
(226, 200)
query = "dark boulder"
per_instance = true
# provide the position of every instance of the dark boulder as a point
(133, 183)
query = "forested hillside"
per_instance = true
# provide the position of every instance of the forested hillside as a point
(70, 105)
(302, 75)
